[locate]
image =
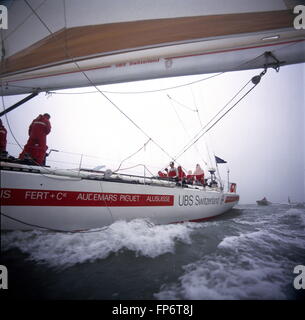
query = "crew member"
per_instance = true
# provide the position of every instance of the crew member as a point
(36, 146)
(181, 174)
(3, 134)
(190, 177)
(162, 174)
(172, 172)
(199, 174)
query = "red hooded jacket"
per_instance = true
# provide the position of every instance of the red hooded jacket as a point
(181, 173)
(36, 146)
(3, 134)
(40, 126)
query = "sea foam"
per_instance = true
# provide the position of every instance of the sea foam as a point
(67, 249)
(249, 265)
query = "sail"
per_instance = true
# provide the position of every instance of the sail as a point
(59, 44)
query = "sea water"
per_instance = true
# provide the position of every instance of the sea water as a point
(247, 253)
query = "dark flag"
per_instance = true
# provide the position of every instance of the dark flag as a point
(219, 160)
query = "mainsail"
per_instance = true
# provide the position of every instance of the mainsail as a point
(58, 44)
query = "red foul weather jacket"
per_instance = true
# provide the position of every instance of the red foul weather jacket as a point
(39, 129)
(36, 146)
(3, 134)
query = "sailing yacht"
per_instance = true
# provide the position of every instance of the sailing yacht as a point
(43, 51)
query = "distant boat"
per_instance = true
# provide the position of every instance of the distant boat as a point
(263, 202)
(298, 205)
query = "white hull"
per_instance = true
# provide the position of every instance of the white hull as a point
(62, 200)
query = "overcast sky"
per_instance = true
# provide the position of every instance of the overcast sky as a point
(262, 138)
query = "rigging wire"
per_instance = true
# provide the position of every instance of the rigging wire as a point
(124, 114)
(133, 154)
(14, 137)
(16, 140)
(207, 130)
(181, 104)
(162, 89)
(3, 103)
(95, 86)
(189, 144)
(102, 92)
(71, 153)
(145, 91)
(7, 120)
(137, 165)
(182, 124)
(38, 17)
(179, 118)
(201, 125)
(150, 139)
(23, 22)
